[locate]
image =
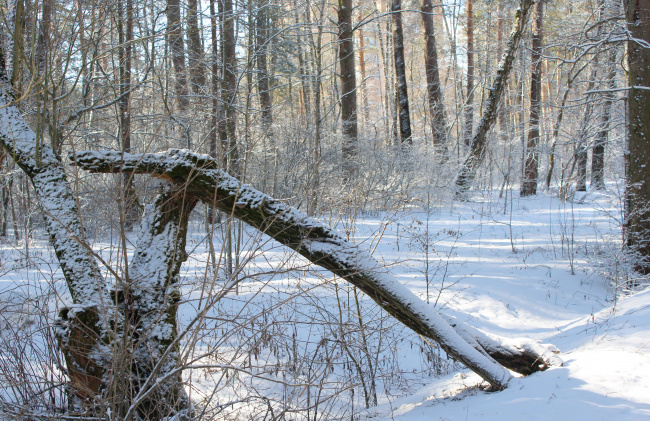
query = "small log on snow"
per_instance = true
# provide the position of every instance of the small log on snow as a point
(201, 177)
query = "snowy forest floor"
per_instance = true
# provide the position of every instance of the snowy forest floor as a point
(291, 335)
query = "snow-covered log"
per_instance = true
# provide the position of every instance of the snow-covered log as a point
(201, 177)
(478, 147)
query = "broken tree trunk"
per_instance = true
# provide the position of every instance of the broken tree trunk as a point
(201, 177)
(148, 300)
(467, 171)
(95, 336)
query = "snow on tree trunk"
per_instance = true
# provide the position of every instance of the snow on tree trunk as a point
(149, 299)
(81, 328)
(200, 176)
(89, 347)
(467, 171)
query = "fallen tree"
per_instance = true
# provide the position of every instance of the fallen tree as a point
(200, 176)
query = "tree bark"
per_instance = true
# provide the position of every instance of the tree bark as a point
(602, 137)
(130, 205)
(228, 132)
(148, 300)
(263, 78)
(349, 125)
(214, 122)
(400, 73)
(608, 9)
(434, 89)
(200, 176)
(637, 13)
(177, 49)
(467, 171)
(195, 48)
(529, 183)
(469, 104)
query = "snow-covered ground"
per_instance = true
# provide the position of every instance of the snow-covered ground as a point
(538, 267)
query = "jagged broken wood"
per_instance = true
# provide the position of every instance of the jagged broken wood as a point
(201, 177)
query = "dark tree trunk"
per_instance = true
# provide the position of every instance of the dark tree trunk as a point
(608, 9)
(18, 46)
(468, 169)
(177, 49)
(469, 105)
(349, 125)
(400, 73)
(195, 48)
(602, 137)
(228, 132)
(263, 78)
(130, 205)
(637, 13)
(529, 183)
(214, 114)
(434, 89)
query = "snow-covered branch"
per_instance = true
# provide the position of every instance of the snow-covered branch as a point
(201, 177)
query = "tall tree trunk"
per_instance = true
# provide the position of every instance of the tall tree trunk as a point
(18, 45)
(529, 183)
(608, 9)
(263, 78)
(598, 152)
(177, 49)
(400, 73)
(434, 89)
(501, 116)
(582, 146)
(637, 13)
(362, 70)
(264, 93)
(349, 126)
(229, 88)
(195, 48)
(215, 91)
(317, 59)
(469, 104)
(467, 171)
(130, 204)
